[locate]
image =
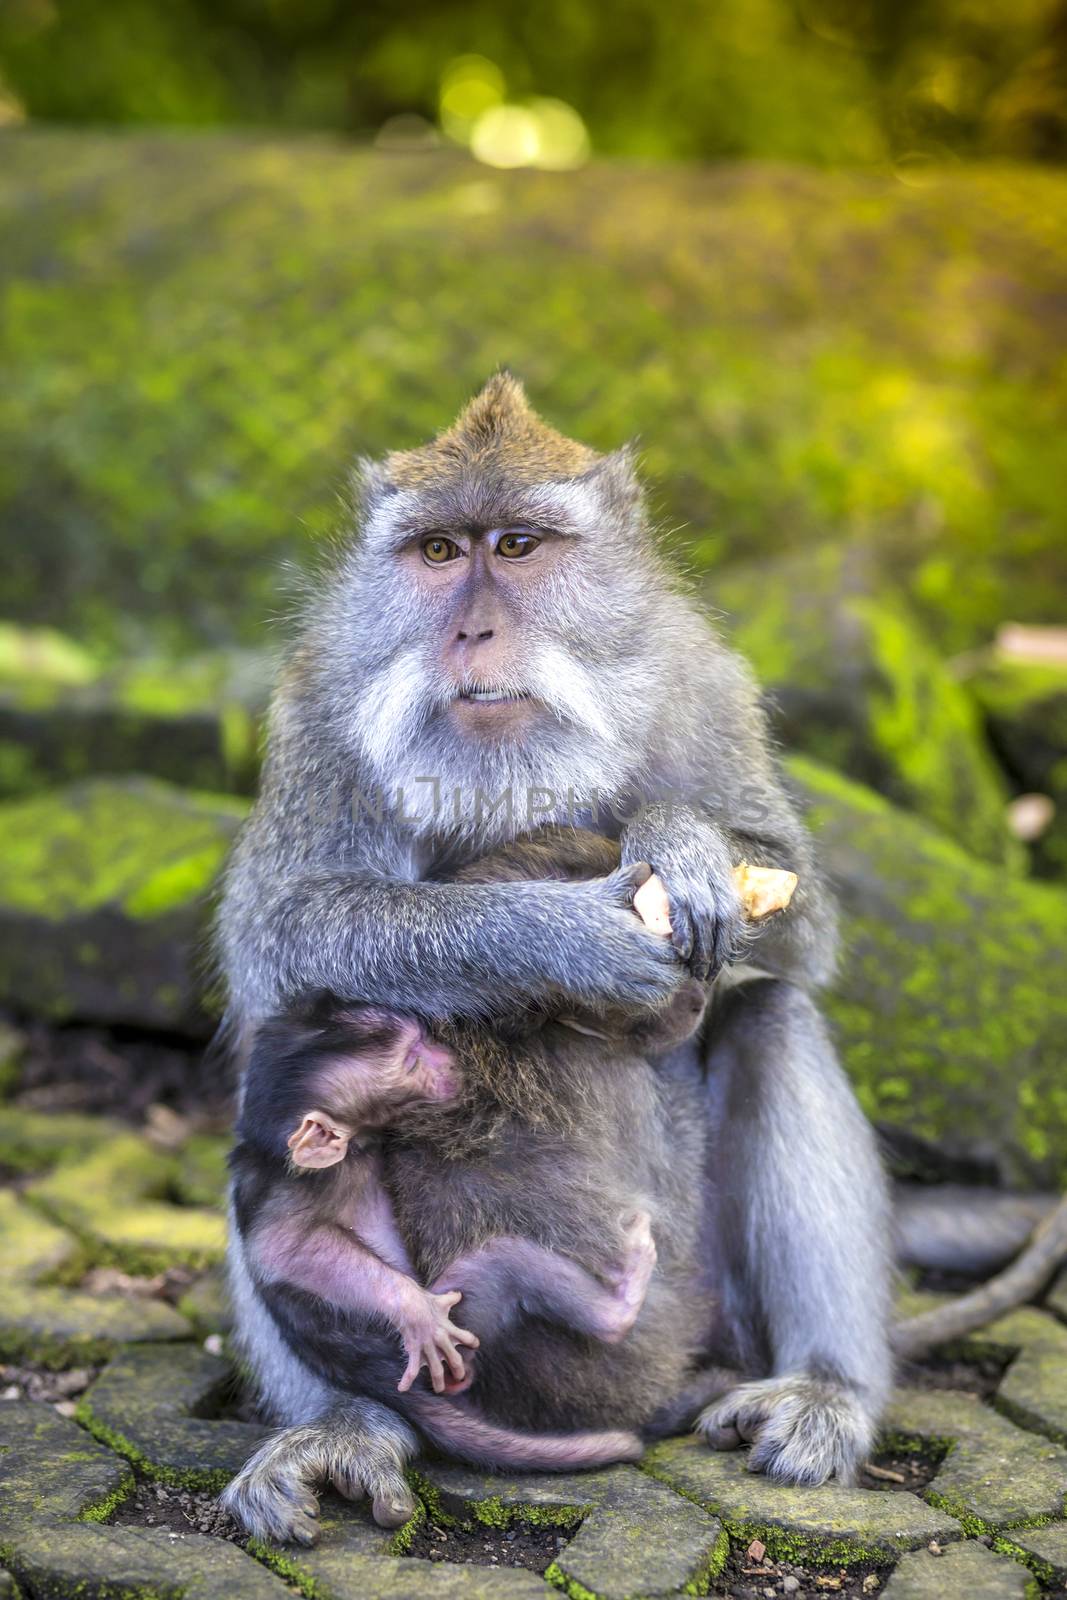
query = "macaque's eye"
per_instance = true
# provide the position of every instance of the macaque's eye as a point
(516, 545)
(439, 549)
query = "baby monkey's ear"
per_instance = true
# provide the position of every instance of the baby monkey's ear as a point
(318, 1142)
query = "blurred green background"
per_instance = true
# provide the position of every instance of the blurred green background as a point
(812, 255)
(820, 80)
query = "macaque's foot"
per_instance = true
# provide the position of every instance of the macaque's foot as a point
(270, 1499)
(630, 1281)
(802, 1430)
(361, 1448)
(431, 1337)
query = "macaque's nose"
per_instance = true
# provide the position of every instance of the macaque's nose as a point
(479, 629)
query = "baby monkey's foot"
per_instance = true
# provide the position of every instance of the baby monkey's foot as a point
(630, 1280)
(431, 1337)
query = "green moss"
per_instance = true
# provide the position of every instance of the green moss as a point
(104, 1509)
(700, 1583)
(401, 1541)
(570, 1586)
(209, 1479)
(949, 1006)
(34, 1141)
(286, 1566)
(115, 1201)
(496, 1513)
(109, 845)
(853, 682)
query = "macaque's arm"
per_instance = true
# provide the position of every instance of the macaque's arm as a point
(333, 1264)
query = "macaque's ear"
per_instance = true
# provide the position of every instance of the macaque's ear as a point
(615, 478)
(318, 1142)
(370, 483)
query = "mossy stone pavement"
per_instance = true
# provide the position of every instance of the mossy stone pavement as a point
(158, 1409)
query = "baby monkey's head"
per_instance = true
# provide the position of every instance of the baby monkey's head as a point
(323, 1077)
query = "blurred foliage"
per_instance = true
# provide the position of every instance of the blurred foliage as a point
(822, 80)
(200, 332)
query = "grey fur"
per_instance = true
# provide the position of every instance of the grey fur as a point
(792, 1266)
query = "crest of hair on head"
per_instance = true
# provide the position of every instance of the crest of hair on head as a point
(497, 430)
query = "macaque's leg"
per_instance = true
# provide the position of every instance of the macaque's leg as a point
(333, 1264)
(508, 1275)
(358, 1445)
(802, 1219)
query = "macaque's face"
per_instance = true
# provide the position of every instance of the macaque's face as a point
(397, 1065)
(505, 573)
(482, 584)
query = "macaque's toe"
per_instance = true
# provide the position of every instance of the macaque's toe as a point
(347, 1484)
(393, 1506)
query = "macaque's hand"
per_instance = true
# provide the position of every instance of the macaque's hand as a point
(603, 955)
(430, 1336)
(693, 898)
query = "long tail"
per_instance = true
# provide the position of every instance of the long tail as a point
(455, 1428)
(953, 1228)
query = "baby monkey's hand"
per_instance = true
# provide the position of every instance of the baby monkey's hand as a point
(428, 1335)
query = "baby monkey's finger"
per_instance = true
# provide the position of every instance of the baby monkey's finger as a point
(436, 1370)
(411, 1372)
(455, 1361)
(465, 1336)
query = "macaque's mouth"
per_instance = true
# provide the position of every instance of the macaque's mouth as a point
(492, 697)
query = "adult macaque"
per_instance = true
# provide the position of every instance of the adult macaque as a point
(503, 624)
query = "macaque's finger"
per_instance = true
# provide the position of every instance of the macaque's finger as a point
(465, 1336)
(704, 951)
(683, 933)
(411, 1372)
(452, 1298)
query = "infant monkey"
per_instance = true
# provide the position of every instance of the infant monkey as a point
(311, 1203)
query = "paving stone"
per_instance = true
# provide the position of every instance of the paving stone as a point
(962, 1572)
(995, 1474)
(36, 1141)
(356, 1560)
(826, 1524)
(100, 1563)
(634, 1535)
(194, 721)
(1033, 1391)
(50, 1470)
(56, 1326)
(114, 1200)
(1043, 1549)
(207, 1303)
(153, 1403)
(103, 900)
